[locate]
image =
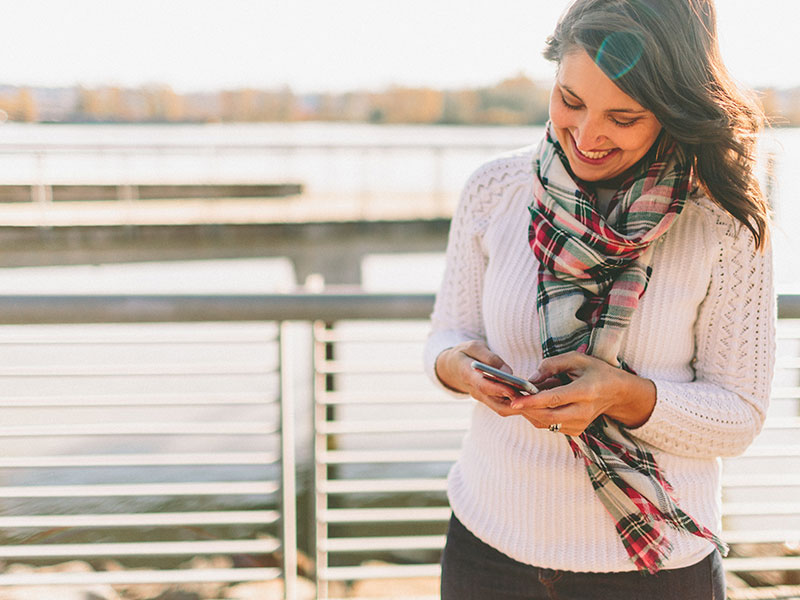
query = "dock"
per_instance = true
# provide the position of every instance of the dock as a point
(320, 234)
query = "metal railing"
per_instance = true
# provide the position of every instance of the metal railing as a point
(127, 475)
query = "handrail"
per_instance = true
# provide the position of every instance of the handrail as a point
(161, 308)
(34, 147)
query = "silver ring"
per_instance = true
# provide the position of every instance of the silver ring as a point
(555, 427)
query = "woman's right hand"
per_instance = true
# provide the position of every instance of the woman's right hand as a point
(454, 370)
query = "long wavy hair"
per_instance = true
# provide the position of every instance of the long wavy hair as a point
(664, 54)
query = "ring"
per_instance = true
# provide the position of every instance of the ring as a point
(555, 427)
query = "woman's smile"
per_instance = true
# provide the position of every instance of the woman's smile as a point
(593, 157)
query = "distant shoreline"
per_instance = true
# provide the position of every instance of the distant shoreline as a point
(514, 101)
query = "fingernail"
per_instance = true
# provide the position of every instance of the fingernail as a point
(516, 404)
(535, 375)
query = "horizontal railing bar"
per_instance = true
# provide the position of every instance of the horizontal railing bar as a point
(782, 423)
(394, 146)
(379, 572)
(134, 400)
(393, 426)
(760, 536)
(771, 451)
(786, 393)
(140, 548)
(131, 339)
(98, 370)
(165, 519)
(156, 308)
(367, 515)
(414, 335)
(336, 457)
(348, 486)
(335, 367)
(225, 488)
(766, 563)
(116, 429)
(159, 308)
(385, 397)
(787, 362)
(372, 544)
(747, 480)
(142, 576)
(139, 460)
(730, 509)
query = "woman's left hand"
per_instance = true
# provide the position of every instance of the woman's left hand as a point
(595, 388)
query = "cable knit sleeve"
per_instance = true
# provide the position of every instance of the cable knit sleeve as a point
(723, 409)
(456, 314)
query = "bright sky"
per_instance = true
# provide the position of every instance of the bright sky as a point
(336, 45)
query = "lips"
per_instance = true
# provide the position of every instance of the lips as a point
(595, 157)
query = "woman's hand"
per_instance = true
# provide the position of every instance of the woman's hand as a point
(454, 369)
(595, 388)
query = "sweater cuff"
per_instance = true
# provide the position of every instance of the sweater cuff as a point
(664, 416)
(437, 343)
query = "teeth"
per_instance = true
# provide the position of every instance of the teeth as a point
(594, 155)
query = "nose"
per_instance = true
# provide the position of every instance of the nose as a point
(589, 133)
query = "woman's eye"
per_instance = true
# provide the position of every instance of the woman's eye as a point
(568, 105)
(624, 123)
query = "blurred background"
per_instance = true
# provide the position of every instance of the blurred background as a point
(289, 168)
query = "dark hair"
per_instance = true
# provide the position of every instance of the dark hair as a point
(664, 54)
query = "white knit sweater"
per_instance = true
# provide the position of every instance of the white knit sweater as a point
(704, 333)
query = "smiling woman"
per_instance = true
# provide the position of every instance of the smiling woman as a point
(623, 267)
(605, 135)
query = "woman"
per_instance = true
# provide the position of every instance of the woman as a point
(623, 266)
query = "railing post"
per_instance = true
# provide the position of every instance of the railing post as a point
(320, 503)
(288, 470)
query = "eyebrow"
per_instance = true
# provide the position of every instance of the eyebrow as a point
(631, 111)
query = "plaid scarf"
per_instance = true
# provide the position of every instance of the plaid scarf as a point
(592, 271)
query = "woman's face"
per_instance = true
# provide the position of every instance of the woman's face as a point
(602, 130)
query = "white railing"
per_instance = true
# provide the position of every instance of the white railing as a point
(203, 459)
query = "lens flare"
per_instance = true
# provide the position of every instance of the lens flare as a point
(619, 53)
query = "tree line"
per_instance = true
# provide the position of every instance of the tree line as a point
(514, 101)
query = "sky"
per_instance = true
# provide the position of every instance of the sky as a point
(332, 45)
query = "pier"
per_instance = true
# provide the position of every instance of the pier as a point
(326, 235)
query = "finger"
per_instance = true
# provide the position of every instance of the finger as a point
(492, 388)
(555, 365)
(553, 398)
(478, 350)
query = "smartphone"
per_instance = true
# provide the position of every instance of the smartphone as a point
(521, 385)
